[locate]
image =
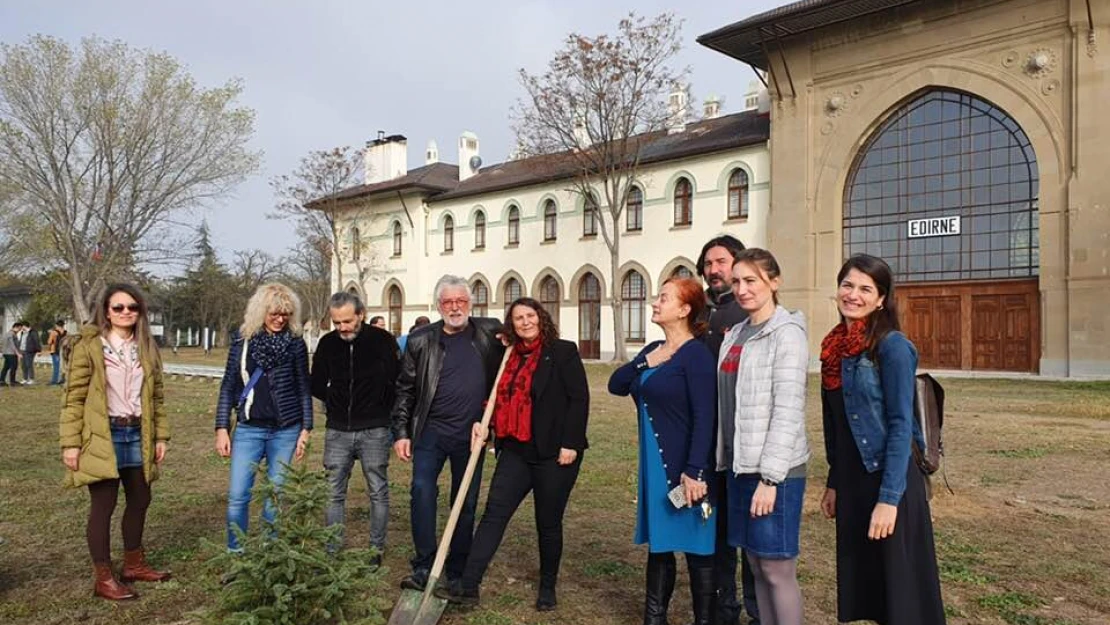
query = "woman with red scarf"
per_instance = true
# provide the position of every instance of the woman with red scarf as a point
(543, 400)
(886, 565)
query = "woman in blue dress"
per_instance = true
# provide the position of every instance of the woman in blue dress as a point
(674, 385)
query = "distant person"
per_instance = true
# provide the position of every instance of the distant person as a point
(543, 402)
(761, 394)
(114, 430)
(29, 347)
(674, 386)
(446, 375)
(11, 356)
(266, 384)
(353, 372)
(378, 321)
(54, 348)
(886, 563)
(420, 322)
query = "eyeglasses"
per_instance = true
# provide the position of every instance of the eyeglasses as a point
(282, 315)
(119, 308)
(451, 303)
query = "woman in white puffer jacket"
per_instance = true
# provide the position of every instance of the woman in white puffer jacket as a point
(761, 379)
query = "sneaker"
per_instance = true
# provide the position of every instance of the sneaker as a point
(375, 561)
(415, 581)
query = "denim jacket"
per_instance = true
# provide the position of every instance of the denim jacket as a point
(878, 401)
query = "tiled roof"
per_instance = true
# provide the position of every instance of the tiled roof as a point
(434, 178)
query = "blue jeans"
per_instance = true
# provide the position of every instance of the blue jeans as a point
(56, 363)
(249, 445)
(429, 454)
(371, 448)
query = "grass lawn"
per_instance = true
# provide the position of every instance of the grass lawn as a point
(216, 357)
(1022, 541)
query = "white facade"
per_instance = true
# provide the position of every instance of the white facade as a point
(655, 252)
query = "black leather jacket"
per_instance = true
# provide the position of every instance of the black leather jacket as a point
(420, 367)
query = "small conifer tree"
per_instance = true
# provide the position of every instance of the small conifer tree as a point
(286, 574)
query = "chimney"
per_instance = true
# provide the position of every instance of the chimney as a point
(469, 161)
(677, 104)
(431, 155)
(386, 158)
(712, 107)
(751, 96)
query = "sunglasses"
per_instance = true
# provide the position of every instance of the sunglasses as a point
(119, 308)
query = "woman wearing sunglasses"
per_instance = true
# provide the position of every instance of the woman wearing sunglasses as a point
(114, 430)
(266, 383)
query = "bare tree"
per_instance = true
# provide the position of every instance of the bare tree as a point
(590, 115)
(101, 147)
(252, 268)
(306, 269)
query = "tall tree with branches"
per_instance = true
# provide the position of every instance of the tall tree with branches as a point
(590, 115)
(103, 149)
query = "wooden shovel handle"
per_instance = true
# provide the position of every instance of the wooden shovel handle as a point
(464, 486)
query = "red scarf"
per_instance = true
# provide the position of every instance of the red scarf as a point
(843, 341)
(512, 417)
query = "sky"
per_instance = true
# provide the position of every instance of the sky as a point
(332, 73)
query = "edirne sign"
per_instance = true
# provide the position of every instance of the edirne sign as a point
(933, 227)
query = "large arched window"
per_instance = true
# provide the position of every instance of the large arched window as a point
(448, 234)
(634, 296)
(683, 201)
(589, 216)
(589, 316)
(549, 297)
(479, 230)
(682, 271)
(396, 309)
(513, 291)
(550, 220)
(738, 194)
(479, 299)
(946, 189)
(634, 210)
(514, 225)
(356, 244)
(396, 238)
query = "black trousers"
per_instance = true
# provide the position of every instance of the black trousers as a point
(724, 564)
(514, 476)
(11, 364)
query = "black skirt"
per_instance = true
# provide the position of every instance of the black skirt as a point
(892, 581)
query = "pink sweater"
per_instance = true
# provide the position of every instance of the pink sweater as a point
(124, 375)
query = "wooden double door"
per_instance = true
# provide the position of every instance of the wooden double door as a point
(989, 326)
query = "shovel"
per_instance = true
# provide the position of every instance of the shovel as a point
(423, 608)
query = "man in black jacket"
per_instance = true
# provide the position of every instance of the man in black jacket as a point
(353, 372)
(447, 371)
(715, 266)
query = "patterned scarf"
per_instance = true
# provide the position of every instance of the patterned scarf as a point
(270, 350)
(512, 417)
(843, 341)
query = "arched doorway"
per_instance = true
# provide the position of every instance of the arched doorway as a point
(396, 307)
(589, 316)
(946, 191)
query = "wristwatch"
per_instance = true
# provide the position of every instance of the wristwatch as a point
(767, 482)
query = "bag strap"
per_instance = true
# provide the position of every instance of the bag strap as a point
(248, 383)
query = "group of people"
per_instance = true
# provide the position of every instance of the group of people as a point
(22, 344)
(720, 406)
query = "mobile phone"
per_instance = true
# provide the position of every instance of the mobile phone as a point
(678, 496)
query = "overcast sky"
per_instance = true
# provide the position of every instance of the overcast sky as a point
(327, 73)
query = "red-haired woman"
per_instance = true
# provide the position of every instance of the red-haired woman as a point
(674, 384)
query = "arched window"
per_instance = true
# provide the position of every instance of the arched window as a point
(549, 220)
(356, 244)
(549, 297)
(479, 230)
(512, 292)
(479, 299)
(589, 316)
(448, 234)
(946, 157)
(634, 210)
(683, 199)
(589, 216)
(396, 238)
(514, 225)
(634, 296)
(396, 308)
(682, 271)
(738, 194)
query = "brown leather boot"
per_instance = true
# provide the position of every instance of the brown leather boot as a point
(106, 585)
(135, 568)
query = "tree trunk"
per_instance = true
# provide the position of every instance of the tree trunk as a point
(80, 310)
(619, 353)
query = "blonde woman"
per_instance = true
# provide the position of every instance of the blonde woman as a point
(114, 431)
(266, 383)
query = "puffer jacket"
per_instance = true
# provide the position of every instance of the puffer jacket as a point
(84, 420)
(289, 384)
(770, 433)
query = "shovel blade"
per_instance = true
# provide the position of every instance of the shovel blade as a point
(408, 605)
(430, 611)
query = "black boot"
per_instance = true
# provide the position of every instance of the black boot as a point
(703, 592)
(660, 587)
(545, 597)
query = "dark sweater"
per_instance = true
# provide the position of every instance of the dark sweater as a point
(355, 379)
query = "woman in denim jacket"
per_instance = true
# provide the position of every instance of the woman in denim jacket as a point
(266, 382)
(886, 568)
